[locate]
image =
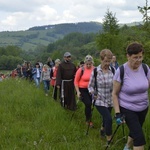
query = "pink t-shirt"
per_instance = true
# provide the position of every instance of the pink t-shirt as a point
(83, 81)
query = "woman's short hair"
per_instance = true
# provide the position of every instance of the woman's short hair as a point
(57, 61)
(37, 63)
(134, 48)
(106, 53)
(46, 66)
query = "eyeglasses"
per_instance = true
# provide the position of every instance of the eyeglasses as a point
(138, 58)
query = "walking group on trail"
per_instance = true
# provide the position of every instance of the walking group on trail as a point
(106, 87)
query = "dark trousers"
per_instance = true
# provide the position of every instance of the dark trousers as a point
(56, 91)
(87, 100)
(107, 119)
(134, 121)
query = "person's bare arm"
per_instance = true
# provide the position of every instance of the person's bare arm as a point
(115, 93)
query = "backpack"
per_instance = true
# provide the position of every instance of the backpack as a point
(122, 71)
(95, 71)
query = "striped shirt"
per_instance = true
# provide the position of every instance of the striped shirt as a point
(104, 87)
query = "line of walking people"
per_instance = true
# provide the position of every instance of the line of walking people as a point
(108, 87)
(128, 95)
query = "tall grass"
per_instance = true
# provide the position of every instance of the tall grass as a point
(29, 120)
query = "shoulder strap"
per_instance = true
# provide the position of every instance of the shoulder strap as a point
(95, 76)
(145, 68)
(82, 71)
(112, 69)
(121, 73)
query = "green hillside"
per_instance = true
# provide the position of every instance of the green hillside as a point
(44, 35)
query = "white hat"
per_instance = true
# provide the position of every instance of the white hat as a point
(67, 54)
(88, 58)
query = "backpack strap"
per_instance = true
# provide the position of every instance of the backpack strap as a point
(145, 69)
(82, 71)
(112, 69)
(95, 76)
(121, 73)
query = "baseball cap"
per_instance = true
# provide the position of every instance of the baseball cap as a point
(67, 54)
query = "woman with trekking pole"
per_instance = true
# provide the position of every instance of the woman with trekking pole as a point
(103, 101)
(81, 82)
(130, 95)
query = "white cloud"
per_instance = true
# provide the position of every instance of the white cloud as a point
(23, 14)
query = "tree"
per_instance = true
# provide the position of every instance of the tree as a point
(144, 11)
(109, 38)
(110, 23)
(146, 18)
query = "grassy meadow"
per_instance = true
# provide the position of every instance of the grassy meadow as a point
(31, 121)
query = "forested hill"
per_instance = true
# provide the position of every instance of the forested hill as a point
(82, 27)
(44, 35)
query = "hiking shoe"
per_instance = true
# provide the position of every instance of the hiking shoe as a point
(126, 148)
(102, 133)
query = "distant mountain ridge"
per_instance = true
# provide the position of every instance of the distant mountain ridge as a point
(83, 27)
(44, 35)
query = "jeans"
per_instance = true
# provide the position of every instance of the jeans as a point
(37, 82)
(46, 85)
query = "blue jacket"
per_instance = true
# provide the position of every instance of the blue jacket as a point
(34, 72)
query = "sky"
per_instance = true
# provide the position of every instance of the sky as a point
(19, 15)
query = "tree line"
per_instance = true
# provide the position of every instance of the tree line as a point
(112, 36)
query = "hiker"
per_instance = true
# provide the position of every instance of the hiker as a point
(53, 78)
(45, 76)
(14, 73)
(81, 81)
(19, 71)
(50, 62)
(36, 72)
(103, 95)
(80, 64)
(24, 69)
(114, 62)
(29, 71)
(65, 81)
(130, 95)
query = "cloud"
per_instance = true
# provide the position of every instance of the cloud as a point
(23, 14)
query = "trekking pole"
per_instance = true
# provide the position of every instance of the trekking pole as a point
(124, 136)
(87, 131)
(112, 137)
(74, 111)
(54, 90)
